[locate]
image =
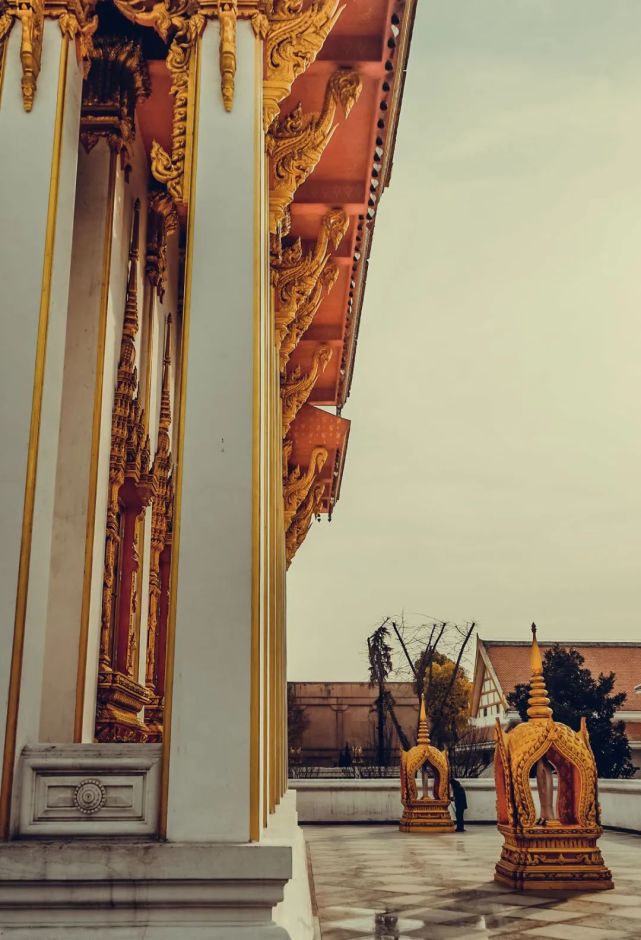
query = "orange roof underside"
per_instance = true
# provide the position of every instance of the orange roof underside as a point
(371, 37)
(343, 176)
(314, 426)
(351, 174)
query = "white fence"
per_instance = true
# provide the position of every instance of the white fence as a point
(366, 801)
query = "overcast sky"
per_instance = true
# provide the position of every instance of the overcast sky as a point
(494, 463)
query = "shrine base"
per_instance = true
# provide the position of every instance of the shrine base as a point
(563, 858)
(427, 816)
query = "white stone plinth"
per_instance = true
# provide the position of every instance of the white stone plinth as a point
(295, 912)
(141, 891)
(89, 790)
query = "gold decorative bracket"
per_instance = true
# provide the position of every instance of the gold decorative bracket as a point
(227, 15)
(298, 484)
(179, 23)
(75, 23)
(117, 80)
(294, 39)
(31, 15)
(296, 388)
(300, 524)
(297, 142)
(162, 221)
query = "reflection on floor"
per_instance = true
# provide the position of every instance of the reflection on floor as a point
(375, 883)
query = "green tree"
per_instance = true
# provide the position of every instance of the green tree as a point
(574, 693)
(447, 697)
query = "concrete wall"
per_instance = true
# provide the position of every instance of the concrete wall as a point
(341, 713)
(366, 801)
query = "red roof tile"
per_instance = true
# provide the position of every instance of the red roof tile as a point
(511, 662)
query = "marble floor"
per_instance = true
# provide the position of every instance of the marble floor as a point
(375, 883)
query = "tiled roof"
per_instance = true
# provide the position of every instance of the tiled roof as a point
(511, 662)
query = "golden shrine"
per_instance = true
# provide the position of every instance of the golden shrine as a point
(426, 813)
(555, 849)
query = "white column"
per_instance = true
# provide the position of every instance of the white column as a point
(75, 497)
(37, 182)
(211, 750)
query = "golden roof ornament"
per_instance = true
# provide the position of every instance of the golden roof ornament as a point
(298, 140)
(552, 846)
(296, 387)
(301, 523)
(295, 275)
(298, 484)
(307, 311)
(293, 39)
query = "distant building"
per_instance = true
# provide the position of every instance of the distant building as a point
(502, 664)
(341, 713)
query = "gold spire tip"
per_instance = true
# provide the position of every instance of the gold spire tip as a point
(423, 736)
(539, 703)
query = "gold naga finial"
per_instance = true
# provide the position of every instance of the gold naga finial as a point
(539, 703)
(423, 736)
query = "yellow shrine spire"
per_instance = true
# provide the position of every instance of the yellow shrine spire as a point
(539, 703)
(423, 736)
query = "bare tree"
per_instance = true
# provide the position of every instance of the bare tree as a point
(434, 642)
(472, 753)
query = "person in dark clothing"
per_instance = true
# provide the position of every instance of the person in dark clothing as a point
(460, 803)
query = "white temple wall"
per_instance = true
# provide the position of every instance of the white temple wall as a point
(33, 292)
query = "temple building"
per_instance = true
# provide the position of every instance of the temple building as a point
(500, 665)
(189, 190)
